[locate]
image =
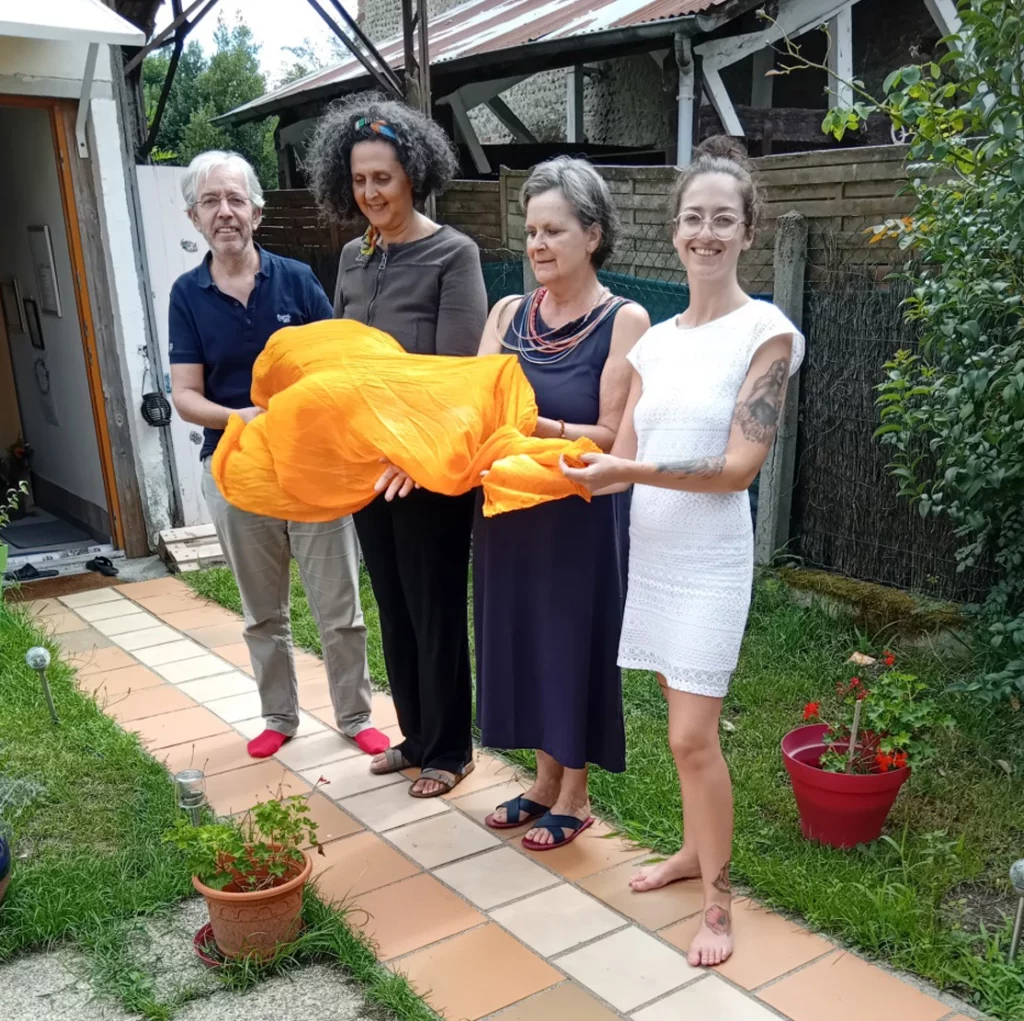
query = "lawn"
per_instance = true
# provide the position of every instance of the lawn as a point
(87, 808)
(932, 897)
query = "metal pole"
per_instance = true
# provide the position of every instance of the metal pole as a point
(1017, 879)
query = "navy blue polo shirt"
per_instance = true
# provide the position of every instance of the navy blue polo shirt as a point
(212, 329)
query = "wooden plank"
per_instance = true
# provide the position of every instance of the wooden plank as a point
(833, 157)
(848, 207)
(809, 174)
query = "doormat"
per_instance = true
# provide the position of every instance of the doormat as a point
(48, 533)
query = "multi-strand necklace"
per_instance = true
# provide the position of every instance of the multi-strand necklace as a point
(546, 347)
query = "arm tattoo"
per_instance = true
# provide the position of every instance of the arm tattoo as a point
(718, 920)
(722, 883)
(758, 416)
(693, 467)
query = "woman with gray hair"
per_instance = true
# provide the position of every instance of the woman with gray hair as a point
(548, 582)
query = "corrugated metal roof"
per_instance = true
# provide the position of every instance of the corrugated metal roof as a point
(482, 26)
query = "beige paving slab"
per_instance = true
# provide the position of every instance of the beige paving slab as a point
(254, 727)
(358, 864)
(220, 686)
(63, 623)
(125, 623)
(236, 708)
(383, 810)
(194, 668)
(169, 652)
(711, 997)
(145, 638)
(108, 610)
(316, 750)
(496, 877)
(349, 777)
(442, 840)
(91, 598)
(654, 909)
(83, 642)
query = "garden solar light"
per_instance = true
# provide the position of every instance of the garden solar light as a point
(191, 786)
(38, 659)
(1017, 879)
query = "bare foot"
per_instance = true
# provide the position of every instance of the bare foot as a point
(541, 795)
(713, 943)
(682, 865)
(429, 787)
(577, 811)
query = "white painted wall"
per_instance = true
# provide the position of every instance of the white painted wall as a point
(173, 246)
(66, 454)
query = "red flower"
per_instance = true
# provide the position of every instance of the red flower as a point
(811, 710)
(883, 762)
(854, 682)
(862, 693)
(899, 760)
(890, 659)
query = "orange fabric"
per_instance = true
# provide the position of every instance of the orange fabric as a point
(340, 396)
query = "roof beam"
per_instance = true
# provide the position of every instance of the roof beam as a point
(164, 37)
(944, 14)
(465, 128)
(840, 60)
(719, 96)
(520, 132)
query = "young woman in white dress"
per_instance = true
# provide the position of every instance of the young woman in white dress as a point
(707, 392)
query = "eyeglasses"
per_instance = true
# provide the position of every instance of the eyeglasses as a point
(208, 203)
(724, 226)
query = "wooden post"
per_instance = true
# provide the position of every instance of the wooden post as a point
(775, 488)
(840, 59)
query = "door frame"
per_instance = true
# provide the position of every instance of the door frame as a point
(110, 410)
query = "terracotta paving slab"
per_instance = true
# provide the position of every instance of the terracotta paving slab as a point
(63, 623)
(175, 602)
(41, 607)
(96, 661)
(475, 974)
(111, 683)
(654, 909)
(496, 877)
(91, 598)
(332, 822)
(240, 789)
(315, 694)
(153, 701)
(217, 754)
(710, 998)
(851, 988)
(767, 945)
(235, 652)
(358, 864)
(412, 914)
(566, 1002)
(443, 839)
(165, 731)
(629, 969)
(557, 920)
(217, 634)
(155, 587)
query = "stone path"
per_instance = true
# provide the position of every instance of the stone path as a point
(481, 928)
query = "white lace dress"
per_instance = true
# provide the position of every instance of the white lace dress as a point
(691, 555)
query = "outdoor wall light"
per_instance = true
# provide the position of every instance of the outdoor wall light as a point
(1017, 879)
(38, 659)
(191, 787)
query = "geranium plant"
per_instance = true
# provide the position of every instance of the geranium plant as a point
(258, 852)
(880, 720)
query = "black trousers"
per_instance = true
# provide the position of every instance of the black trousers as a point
(416, 550)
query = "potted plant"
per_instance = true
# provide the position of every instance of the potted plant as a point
(11, 501)
(252, 873)
(848, 765)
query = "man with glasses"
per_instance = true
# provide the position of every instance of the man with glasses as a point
(222, 313)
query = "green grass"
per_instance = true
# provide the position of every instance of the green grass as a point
(930, 898)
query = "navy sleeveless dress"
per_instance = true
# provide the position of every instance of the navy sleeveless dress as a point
(548, 593)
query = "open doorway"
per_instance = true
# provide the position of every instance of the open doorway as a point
(49, 436)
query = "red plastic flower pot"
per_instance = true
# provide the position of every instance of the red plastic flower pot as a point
(839, 809)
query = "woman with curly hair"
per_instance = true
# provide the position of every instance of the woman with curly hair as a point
(421, 282)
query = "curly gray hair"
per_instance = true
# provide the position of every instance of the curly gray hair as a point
(587, 194)
(422, 148)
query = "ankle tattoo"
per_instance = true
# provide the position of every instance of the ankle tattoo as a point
(718, 920)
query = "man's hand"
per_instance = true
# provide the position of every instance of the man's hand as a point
(248, 414)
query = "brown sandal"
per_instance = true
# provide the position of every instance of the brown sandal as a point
(449, 781)
(394, 762)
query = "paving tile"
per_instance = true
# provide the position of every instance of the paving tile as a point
(358, 864)
(349, 777)
(110, 683)
(137, 705)
(556, 920)
(97, 661)
(63, 623)
(236, 708)
(475, 974)
(411, 914)
(109, 610)
(216, 754)
(384, 809)
(332, 822)
(382, 711)
(199, 616)
(207, 689)
(479, 805)
(316, 750)
(169, 729)
(593, 851)
(315, 694)
(654, 909)
(496, 877)
(91, 598)
(147, 638)
(767, 945)
(255, 726)
(155, 587)
(193, 669)
(217, 634)
(169, 652)
(86, 641)
(236, 652)
(41, 607)
(566, 1002)
(240, 789)
(125, 624)
(173, 603)
(851, 988)
(442, 840)
(488, 772)
(711, 997)
(629, 968)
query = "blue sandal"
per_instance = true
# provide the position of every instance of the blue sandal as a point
(518, 812)
(556, 825)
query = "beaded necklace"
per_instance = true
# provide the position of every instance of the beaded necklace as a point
(547, 348)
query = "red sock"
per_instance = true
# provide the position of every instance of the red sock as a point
(267, 744)
(372, 741)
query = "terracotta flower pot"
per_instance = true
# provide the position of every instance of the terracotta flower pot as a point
(255, 923)
(839, 809)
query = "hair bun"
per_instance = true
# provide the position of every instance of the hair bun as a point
(723, 147)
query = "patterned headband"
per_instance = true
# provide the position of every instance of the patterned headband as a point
(377, 127)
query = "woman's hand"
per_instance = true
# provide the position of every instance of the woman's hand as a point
(394, 482)
(602, 475)
(248, 414)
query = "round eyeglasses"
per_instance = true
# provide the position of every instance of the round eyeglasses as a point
(724, 226)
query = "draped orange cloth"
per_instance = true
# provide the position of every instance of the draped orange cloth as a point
(340, 396)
